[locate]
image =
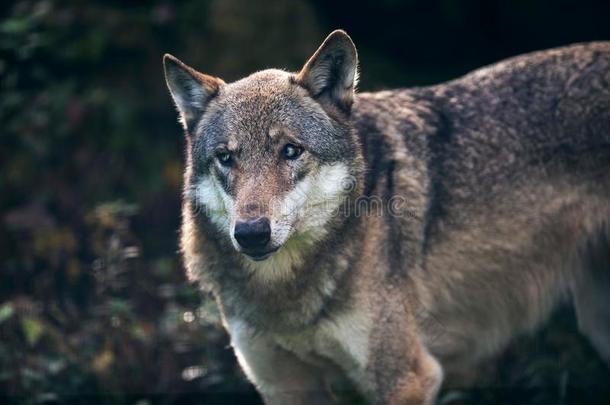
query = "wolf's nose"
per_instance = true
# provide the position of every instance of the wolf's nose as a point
(253, 234)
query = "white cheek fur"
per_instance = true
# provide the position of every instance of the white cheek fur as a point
(218, 205)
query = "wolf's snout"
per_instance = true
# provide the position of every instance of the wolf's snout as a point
(253, 234)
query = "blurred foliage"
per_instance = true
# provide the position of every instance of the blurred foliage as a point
(93, 301)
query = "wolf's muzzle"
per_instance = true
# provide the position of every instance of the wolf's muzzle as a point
(253, 234)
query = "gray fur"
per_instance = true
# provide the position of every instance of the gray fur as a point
(505, 179)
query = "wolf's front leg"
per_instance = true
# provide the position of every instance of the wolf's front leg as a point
(279, 376)
(416, 384)
(401, 371)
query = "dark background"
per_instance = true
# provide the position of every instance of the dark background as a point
(93, 301)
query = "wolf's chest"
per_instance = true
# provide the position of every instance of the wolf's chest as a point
(343, 341)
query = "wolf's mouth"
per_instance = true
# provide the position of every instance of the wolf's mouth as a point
(260, 256)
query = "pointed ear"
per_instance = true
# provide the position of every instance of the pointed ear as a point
(330, 74)
(190, 89)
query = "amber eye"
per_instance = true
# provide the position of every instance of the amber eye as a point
(224, 158)
(291, 151)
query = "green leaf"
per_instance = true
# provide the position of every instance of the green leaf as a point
(15, 26)
(33, 330)
(6, 311)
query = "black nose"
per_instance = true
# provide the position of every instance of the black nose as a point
(253, 234)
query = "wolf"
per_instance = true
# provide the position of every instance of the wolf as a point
(387, 239)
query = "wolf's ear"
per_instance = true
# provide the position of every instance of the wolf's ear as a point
(331, 74)
(190, 89)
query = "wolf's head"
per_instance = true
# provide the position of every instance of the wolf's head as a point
(271, 157)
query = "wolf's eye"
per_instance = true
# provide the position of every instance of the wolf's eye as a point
(292, 151)
(224, 158)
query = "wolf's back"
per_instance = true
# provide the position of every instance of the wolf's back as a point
(544, 114)
(534, 120)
